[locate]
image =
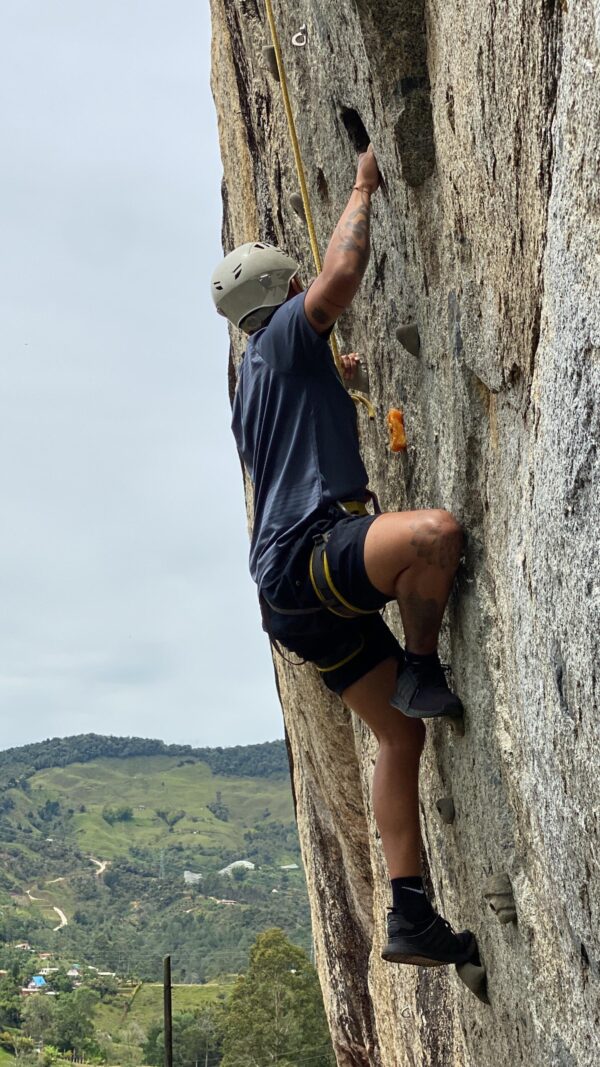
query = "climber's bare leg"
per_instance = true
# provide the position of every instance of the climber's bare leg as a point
(396, 777)
(413, 556)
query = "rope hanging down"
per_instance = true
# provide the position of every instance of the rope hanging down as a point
(294, 139)
(303, 187)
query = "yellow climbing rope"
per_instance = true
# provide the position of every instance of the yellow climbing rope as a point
(304, 189)
(294, 139)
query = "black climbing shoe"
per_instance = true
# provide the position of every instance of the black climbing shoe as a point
(422, 693)
(431, 943)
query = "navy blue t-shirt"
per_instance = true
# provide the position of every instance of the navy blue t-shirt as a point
(296, 431)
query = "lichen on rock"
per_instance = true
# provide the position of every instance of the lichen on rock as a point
(485, 119)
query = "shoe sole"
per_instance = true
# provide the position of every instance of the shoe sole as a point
(415, 960)
(457, 722)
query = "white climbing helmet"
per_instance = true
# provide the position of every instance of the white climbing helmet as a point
(250, 282)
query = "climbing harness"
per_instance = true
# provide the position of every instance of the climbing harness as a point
(323, 585)
(301, 36)
(329, 597)
(319, 570)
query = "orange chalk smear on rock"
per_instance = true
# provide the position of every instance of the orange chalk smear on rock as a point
(395, 421)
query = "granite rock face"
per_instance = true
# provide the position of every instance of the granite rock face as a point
(485, 119)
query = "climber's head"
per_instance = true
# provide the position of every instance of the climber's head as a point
(251, 282)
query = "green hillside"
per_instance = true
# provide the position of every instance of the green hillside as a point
(93, 854)
(152, 784)
(122, 1021)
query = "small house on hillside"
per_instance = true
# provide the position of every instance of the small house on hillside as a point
(37, 983)
(191, 878)
(231, 867)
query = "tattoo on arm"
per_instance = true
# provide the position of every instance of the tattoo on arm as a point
(355, 235)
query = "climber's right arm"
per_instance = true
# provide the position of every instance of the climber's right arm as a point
(348, 252)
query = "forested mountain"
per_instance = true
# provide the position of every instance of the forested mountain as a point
(266, 760)
(112, 851)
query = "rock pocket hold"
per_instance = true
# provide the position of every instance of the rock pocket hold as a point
(297, 204)
(498, 892)
(445, 807)
(270, 59)
(474, 976)
(408, 335)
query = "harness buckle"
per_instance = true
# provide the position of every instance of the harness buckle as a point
(359, 507)
(352, 507)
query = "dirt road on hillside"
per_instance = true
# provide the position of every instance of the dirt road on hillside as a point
(63, 918)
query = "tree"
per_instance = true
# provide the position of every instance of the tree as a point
(60, 982)
(73, 1025)
(197, 1038)
(49, 810)
(104, 984)
(10, 1003)
(15, 1040)
(275, 1014)
(121, 814)
(38, 1018)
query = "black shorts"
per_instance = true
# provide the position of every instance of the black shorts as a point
(343, 649)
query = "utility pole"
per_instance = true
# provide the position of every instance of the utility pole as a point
(167, 1012)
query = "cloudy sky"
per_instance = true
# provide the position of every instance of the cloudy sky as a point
(125, 605)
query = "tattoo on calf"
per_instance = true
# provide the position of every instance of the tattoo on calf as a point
(450, 549)
(423, 617)
(320, 316)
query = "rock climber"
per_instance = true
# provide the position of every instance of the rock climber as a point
(324, 566)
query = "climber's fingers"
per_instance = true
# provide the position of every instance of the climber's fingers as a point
(350, 363)
(367, 174)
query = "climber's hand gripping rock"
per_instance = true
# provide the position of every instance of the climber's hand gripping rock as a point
(350, 364)
(367, 174)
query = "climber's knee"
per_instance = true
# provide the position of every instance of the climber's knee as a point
(437, 539)
(398, 541)
(402, 735)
